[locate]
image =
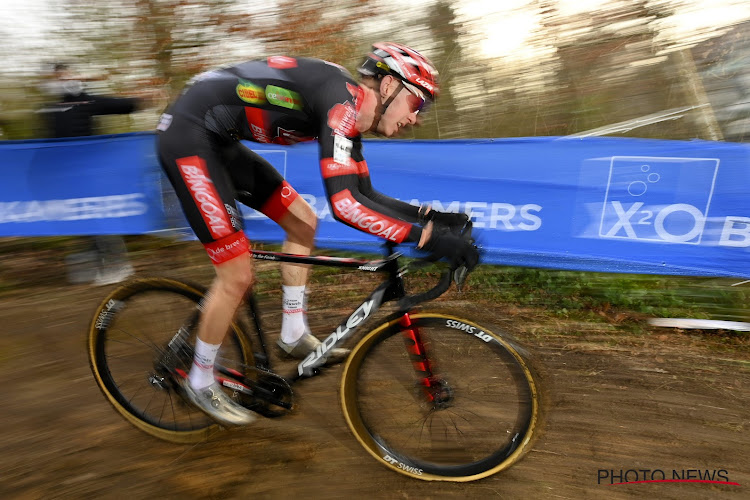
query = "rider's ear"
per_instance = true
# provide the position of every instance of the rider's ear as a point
(388, 85)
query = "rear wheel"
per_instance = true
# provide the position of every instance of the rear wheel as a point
(473, 418)
(143, 333)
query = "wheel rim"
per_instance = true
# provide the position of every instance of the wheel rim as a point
(482, 432)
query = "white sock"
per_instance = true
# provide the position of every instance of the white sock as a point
(202, 372)
(293, 319)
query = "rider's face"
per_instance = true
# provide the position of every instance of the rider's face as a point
(401, 113)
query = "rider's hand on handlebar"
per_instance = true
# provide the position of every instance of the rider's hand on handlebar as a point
(455, 222)
(459, 251)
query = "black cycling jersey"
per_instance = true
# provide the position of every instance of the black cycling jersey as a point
(282, 100)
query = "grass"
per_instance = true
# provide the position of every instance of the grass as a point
(575, 295)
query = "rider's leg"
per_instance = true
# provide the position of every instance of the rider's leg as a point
(233, 279)
(202, 181)
(299, 223)
(261, 186)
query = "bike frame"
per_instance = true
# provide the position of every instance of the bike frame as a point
(392, 288)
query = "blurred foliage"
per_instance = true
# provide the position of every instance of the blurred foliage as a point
(571, 71)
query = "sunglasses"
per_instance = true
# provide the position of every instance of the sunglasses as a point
(415, 100)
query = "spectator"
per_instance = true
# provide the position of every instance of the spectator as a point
(70, 114)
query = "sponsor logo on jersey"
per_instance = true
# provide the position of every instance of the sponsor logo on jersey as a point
(358, 95)
(342, 119)
(330, 168)
(359, 216)
(284, 98)
(250, 93)
(362, 169)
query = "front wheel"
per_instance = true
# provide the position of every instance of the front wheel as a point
(472, 417)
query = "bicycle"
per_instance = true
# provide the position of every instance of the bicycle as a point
(447, 399)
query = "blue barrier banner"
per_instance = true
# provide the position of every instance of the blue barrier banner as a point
(595, 204)
(97, 185)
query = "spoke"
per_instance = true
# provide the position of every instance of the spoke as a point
(121, 357)
(455, 410)
(163, 405)
(171, 407)
(150, 400)
(137, 339)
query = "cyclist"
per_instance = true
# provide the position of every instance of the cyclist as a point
(284, 100)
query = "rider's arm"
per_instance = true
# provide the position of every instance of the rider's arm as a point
(351, 197)
(406, 211)
(347, 195)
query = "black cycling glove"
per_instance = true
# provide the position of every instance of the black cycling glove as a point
(456, 250)
(455, 222)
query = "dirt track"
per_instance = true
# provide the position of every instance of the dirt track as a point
(663, 400)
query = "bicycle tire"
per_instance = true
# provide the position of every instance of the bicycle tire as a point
(129, 332)
(490, 383)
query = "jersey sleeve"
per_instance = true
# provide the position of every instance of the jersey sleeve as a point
(351, 196)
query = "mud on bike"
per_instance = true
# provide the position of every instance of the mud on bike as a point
(427, 394)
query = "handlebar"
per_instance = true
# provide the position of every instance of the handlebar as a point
(412, 300)
(455, 273)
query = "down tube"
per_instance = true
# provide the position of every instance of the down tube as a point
(370, 306)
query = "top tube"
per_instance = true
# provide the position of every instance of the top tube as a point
(322, 260)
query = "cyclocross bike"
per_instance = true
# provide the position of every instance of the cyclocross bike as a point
(429, 395)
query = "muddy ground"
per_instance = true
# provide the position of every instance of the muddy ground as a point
(655, 399)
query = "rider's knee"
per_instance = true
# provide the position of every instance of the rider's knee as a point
(237, 282)
(303, 228)
(307, 229)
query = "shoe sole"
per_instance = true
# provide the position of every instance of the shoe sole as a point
(186, 398)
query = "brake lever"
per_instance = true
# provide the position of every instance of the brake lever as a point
(459, 276)
(466, 232)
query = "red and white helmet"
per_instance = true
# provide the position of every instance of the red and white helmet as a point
(399, 61)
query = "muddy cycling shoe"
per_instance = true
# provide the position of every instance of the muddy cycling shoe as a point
(217, 405)
(309, 343)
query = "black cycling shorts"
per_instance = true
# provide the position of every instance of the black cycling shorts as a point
(209, 174)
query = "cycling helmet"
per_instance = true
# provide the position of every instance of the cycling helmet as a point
(399, 61)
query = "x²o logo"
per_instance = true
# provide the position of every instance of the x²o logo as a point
(658, 199)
